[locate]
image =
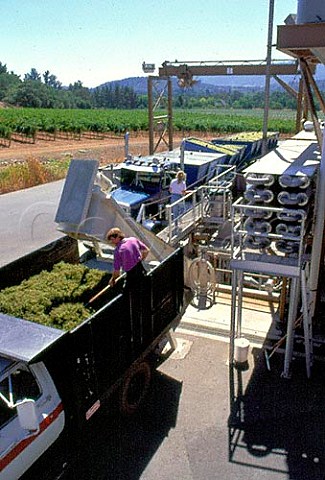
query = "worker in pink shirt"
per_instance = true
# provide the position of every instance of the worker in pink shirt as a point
(128, 255)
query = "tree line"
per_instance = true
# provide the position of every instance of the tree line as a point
(46, 91)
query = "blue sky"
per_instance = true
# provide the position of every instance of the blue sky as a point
(95, 41)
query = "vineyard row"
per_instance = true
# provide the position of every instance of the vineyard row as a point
(29, 123)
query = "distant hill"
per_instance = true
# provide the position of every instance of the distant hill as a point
(216, 84)
(140, 86)
(258, 81)
(204, 85)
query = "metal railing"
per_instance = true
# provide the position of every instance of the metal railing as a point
(211, 200)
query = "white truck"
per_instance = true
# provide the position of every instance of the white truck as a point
(52, 381)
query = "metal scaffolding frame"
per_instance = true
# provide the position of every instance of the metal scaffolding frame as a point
(185, 71)
(161, 124)
(294, 268)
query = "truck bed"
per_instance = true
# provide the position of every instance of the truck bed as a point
(95, 355)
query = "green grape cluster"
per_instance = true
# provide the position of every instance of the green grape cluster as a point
(54, 298)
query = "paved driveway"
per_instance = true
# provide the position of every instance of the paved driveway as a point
(27, 220)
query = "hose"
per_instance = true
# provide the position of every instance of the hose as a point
(201, 276)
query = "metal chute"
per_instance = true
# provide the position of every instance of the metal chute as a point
(86, 213)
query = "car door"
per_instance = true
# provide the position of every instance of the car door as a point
(20, 448)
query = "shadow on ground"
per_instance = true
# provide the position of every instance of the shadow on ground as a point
(278, 424)
(120, 447)
(115, 447)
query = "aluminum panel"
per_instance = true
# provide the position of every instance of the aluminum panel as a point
(24, 340)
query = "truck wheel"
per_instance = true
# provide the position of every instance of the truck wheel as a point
(135, 387)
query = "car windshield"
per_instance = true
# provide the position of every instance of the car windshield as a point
(141, 181)
(16, 385)
(4, 364)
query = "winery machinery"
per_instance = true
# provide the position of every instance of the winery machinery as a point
(273, 234)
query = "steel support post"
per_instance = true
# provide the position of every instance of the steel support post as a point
(240, 302)
(233, 316)
(150, 116)
(292, 315)
(306, 322)
(311, 104)
(268, 76)
(317, 254)
(170, 115)
(315, 87)
(299, 111)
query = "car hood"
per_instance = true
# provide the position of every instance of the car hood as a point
(128, 197)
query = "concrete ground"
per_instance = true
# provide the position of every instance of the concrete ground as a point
(245, 423)
(204, 420)
(241, 423)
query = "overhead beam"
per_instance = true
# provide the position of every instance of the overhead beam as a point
(172, 70)
(302, 41)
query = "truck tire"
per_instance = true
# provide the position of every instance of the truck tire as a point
(135, 387)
